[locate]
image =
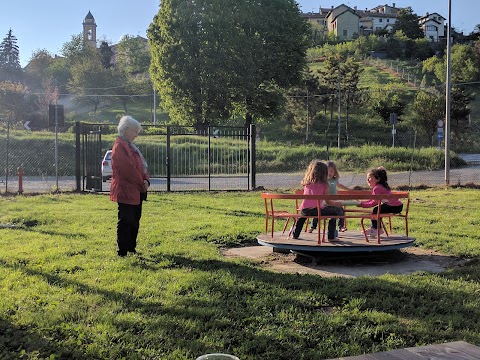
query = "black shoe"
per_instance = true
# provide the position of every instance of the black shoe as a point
(132, 251)
(122, 253)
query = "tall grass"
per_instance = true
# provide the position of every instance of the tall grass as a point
(278, 158)
(35, 153)
(66, 295)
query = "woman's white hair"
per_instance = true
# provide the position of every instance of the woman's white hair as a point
(127, 122)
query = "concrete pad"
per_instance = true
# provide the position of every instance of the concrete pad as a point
(405, 261)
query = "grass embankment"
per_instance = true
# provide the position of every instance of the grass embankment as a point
(66, 295)
(35, 153)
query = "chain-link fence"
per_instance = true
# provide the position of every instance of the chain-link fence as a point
(47, 162)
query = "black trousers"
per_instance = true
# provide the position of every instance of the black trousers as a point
(327, 210)
(385, 208)
(127, 227)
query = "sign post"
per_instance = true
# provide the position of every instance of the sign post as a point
(440, 133)
(393, 122)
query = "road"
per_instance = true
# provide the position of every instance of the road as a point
(463, 176)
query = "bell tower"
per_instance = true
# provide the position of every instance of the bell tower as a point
(90, 30)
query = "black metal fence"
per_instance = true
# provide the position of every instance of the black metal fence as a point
(179, 158)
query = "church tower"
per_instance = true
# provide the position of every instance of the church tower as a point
(90, 30)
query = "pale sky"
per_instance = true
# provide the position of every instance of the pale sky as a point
(49, 24)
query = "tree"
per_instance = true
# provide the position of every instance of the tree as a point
(233, 55)
(37, 69)
(428, 108)
(388, 100)
(304, 101)
(407, 21)
(133, 55)
(10, 68)
(76, 49)
(464, 65)
(89, 81)
(340, 73)
(15, 103)
(106, 54)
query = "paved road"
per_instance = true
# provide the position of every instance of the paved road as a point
(467, 175)
(462, 176)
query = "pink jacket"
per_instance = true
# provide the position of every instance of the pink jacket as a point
(379, 190)
(127, 174)
(313, 189)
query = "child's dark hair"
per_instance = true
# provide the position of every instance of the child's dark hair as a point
(380, 174)
(316, 173)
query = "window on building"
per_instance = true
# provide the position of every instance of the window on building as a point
(345, 33)
(388, 20)
(380, 20)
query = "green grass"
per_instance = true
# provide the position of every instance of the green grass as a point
(65, 295)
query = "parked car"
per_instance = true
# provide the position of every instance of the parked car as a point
(107, 166)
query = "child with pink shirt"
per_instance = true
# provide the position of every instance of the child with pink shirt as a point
(377, 180)
(315, 183)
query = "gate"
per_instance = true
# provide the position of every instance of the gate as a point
(92, 158)
(179, 158)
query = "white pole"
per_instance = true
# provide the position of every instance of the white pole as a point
(447, 97)
(339, 109)
(56, 145)
(154, 107)
(308, 119)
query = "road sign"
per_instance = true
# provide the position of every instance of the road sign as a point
(440, 135)
(393, 118)
(56, 115)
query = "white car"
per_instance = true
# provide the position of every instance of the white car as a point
(107, 166)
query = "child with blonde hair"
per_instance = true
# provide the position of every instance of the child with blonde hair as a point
(333, 186)
(315, 183)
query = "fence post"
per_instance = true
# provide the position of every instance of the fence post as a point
(168, 158)
(252, 138)
(8, 155)
(20, 174)
(209, 155)
(78, 129)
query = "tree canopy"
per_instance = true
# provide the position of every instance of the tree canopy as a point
(215, 58)
(407, 21)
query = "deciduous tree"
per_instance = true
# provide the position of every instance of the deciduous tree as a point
(211, 58)
(428, 108)
(133, 55)
(15, 103)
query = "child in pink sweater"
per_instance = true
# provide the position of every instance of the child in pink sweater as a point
(377, 179)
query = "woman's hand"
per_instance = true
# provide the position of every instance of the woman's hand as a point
(146, 185)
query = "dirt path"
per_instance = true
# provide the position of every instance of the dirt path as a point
(406, 261)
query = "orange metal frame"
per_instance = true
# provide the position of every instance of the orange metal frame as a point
(361, 213)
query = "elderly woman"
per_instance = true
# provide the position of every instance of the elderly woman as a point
(129, 185)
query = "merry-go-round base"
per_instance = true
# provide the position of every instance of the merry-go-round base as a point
(348, 241)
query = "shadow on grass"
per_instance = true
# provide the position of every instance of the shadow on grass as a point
(21, 343)
(240, 307)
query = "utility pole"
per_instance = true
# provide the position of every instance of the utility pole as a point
(339, 109)
(447, 97)
(308, 118)
(154, 107)
(56, 139)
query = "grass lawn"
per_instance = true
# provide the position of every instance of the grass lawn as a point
(66, 295)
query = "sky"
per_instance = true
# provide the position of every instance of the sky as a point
(49, 24)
